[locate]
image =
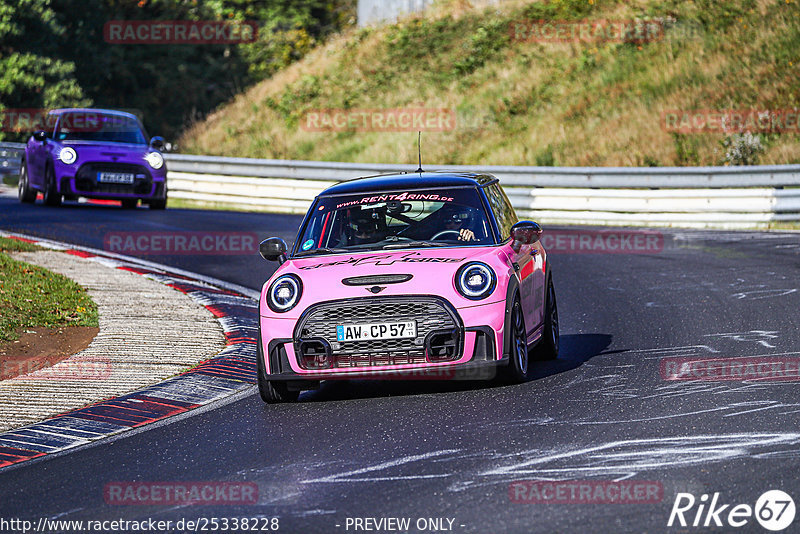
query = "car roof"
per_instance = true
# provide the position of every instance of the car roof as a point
(409, 181)
(92, 110)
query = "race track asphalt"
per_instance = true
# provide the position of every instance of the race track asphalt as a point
(600, 413)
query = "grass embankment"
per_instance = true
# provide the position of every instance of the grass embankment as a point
(527, 103)
(34, 297)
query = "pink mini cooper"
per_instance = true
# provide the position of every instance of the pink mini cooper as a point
(401, 276)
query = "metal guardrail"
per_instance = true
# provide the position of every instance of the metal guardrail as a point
(613, 177)
(10, 157)
(720, 197)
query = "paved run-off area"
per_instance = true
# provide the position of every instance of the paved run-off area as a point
(148, 332)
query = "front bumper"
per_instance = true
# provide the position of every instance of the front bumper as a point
(450, 343)
(148, 184)
(479, 366)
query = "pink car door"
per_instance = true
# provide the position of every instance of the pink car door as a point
(537, 282)
(527, 260)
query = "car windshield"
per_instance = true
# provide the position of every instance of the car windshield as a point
(395, 220)
(93, 126)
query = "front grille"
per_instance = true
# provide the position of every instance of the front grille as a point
(432, 314)
(86, 179)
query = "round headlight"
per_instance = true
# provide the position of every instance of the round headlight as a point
(155, 159)
(68, 155)
(284, 293)
(475, 280)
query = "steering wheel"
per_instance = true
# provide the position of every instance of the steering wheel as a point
(445, 232)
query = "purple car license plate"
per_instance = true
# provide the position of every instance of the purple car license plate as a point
(115, 177)
(369, 331)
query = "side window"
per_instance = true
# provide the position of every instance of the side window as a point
(502, 209)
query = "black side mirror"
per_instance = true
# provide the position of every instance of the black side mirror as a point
(157, 143)
(273, 249)
(525, 233)
(40, 135)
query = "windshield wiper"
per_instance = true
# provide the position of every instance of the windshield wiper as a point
(321, 249)
(405, 244)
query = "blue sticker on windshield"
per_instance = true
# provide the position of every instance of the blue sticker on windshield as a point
(308, 244)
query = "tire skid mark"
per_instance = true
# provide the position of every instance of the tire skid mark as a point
(613, 460)
(763, 294)
(622, 459)
(350, 476)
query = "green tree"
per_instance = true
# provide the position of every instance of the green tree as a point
(53, 54)
(31, 74)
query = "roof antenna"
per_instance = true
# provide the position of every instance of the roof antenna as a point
(419, 151)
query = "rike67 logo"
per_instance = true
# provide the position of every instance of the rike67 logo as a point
(774, 510)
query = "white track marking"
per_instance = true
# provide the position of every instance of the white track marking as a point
(763, 294)
(346, 476)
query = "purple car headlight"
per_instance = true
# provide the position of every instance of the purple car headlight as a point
(284, 293)
(475, 280)
(68, 155)
(155, 160)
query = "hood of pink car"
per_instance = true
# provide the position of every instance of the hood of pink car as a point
(432, 273)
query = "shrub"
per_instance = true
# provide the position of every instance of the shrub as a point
(742, 149)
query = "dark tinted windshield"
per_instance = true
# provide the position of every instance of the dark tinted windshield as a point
(396, 220)
(91, 126)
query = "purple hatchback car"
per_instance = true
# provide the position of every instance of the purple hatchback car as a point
(94, 153)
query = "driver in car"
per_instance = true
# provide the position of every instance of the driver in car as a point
(365, 229)
(458, 219)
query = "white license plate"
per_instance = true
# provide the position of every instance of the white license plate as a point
(115, 177)
(368, 331)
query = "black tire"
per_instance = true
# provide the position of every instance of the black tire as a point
(158, 204)
(25, 192)
(547, 348)
(50, 193)
(271, 392)
(130, 203)
(519, 365)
